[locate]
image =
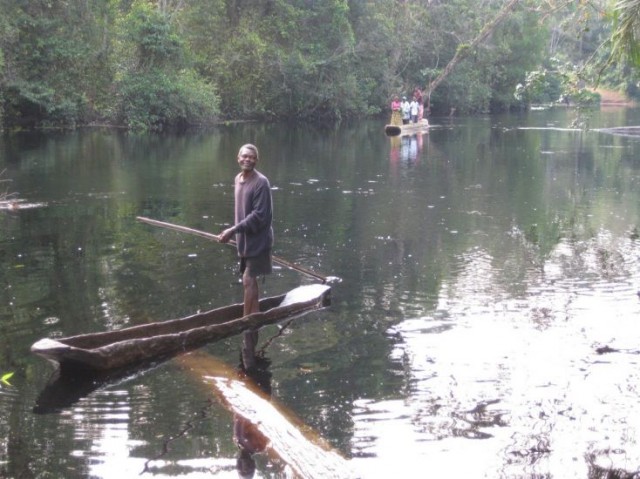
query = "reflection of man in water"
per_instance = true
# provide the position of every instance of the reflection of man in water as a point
(249, 441)
(245, 434)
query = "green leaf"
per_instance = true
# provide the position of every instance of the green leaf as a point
(5, 378)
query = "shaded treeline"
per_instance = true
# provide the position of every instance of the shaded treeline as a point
(146, 64)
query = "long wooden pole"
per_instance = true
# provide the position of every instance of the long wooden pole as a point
(211, 236)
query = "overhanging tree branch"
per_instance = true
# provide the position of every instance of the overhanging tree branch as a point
(464, 50)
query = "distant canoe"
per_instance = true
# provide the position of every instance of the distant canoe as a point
(408, 129)
(148, 342)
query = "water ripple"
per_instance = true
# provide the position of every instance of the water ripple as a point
(516, 383)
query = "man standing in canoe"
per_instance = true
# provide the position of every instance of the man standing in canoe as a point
(253, 233)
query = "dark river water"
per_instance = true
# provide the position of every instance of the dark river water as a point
(486, 324)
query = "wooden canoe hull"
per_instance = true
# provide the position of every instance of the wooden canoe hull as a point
(408, 129)
(147, 342)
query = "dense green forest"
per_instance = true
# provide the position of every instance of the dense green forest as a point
(150, 65)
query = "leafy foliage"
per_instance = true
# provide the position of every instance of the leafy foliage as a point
(156, 100)
(46, 54)
(155, 89)
(5, 378)
(626, 34)
(155, 65)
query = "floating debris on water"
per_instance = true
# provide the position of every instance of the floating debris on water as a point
(15, 205)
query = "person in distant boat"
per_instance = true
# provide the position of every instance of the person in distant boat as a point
(253, 234)
(405, 107)
(415, 110)
(417, 94)
(396, 116)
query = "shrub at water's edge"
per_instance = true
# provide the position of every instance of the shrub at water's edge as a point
(156, 101)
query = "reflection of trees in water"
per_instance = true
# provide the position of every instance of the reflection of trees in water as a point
(477, 418)
(5, 195)
(536, 447)
(597, 471)
(537, 342)
(200, 416)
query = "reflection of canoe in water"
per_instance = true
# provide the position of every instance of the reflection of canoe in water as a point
(287, 439)
(408, 129)
(65, 388)
(148, 342)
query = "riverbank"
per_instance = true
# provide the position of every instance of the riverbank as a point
(613, 98)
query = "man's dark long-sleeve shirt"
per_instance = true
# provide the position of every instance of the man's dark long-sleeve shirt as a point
(253, 214)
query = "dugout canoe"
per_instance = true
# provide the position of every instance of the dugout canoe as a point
(408, 129)
(144, 343)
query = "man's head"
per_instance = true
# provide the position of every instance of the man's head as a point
(248, 157)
